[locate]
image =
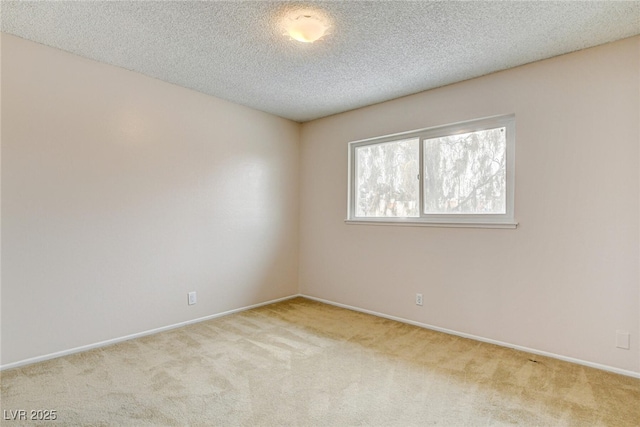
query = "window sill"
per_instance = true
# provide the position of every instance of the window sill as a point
(419, 223)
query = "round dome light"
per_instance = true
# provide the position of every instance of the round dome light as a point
(305, 28)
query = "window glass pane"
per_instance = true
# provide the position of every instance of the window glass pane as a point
(465, 173)
(386, 183)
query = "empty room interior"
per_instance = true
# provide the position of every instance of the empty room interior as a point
(320, 213)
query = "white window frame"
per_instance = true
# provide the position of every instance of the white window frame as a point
(490, 220)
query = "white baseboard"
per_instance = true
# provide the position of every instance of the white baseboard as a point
(349, 307)
(482, 339)
(136, 335)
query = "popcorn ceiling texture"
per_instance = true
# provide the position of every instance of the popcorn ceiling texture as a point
(375, 51)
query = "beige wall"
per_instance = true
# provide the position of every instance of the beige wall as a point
(566, 279)
(121, 193)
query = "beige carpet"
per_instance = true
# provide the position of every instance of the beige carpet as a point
(304, 363)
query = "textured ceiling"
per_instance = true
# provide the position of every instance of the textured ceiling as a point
(376, 51)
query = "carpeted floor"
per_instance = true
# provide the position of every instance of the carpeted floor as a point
(302, 363)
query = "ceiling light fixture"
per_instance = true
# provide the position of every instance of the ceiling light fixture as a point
(305, 27)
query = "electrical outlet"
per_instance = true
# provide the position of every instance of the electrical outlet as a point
(623, 340)
(192, 297)
(418, 299)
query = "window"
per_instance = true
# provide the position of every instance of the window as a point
(455, 175)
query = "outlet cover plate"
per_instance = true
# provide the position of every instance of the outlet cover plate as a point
(192, 297)
(623, 340)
